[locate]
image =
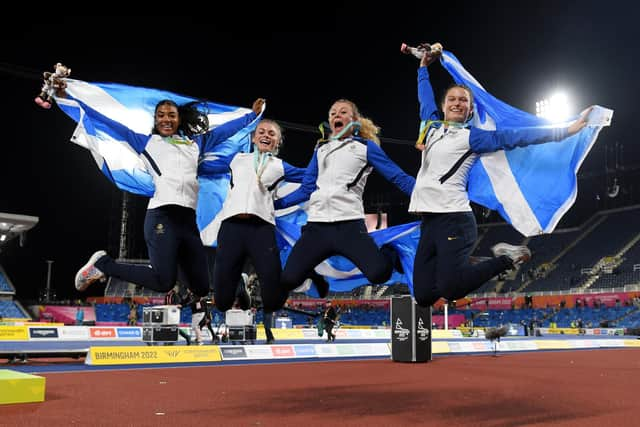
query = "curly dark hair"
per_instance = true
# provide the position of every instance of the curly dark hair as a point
(193, 121)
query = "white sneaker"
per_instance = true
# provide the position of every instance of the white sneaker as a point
(517, 254)
(89, 273)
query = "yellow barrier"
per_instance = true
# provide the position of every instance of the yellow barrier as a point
(14, 333)
(16, 387)
(134, 355)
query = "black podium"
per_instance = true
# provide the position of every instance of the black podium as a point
(410, 330)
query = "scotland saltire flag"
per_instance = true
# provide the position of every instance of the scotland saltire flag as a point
(531, 187)
(340, 273)
(134, 107)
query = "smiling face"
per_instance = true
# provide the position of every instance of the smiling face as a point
(457, 105)
(167, 119)
(340, 115)
(267, 136)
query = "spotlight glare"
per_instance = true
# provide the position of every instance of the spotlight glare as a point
(556, 108)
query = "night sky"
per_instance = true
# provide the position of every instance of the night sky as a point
(520, 53)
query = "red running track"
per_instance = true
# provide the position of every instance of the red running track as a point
(566, 388)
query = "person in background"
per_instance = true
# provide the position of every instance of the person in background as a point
(206, 321)
(198, 311)
(329, 318)
(173, 298)
(268, 324)
(79, 316)
(133, 314)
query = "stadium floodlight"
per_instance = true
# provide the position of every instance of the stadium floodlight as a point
(556, 108)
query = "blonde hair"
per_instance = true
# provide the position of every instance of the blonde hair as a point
(275, 124)
(368, 129)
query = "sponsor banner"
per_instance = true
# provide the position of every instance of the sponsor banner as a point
(341, 332)
(363, 349)
(310, 333)
(26, 322)
(381, 333)
(356, 333)
(583, 331)
(512, 345)
(555, 344)
(259, 352)
(132, 333)
(14, 321)
(579, 343)
(491, 303)
(235, 352)
(288, 333)
(96, 332)
(454, 320)
(135, 355)
(325, 350)
(584, 343)
(470, 347)
(446, 333)
(611, 343)
(372, 349)
(558, 331)
(609, 299)
(67, 314)
(282, 351)
(36, 332)
(305, 350)
(73, 333)
(440, 347)
(632, 343)
(345, 349)
(13, 333)
(607, 343)
(313, 305)
(271, 352)
(604, 331)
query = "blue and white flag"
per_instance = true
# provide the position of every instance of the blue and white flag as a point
(341, 273)
(531, 187)
(134, 107)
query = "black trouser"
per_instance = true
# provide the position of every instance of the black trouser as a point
(328, 326)
(173, 240)
(441, 266)
(320, 240)
(184, 335)
(243, 299)
(268, 323)
(237, 239)
(206, 322)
